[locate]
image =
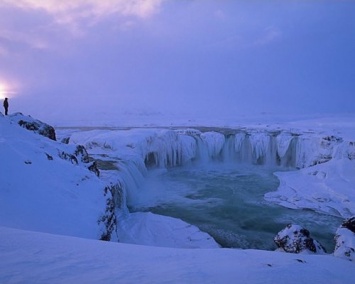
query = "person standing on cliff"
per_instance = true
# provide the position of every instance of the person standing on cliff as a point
(6, 106)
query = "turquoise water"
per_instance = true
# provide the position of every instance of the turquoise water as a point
(227, 202)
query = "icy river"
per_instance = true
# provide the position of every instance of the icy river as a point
(226, 201)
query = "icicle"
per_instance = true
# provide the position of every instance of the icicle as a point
(214, 142)
(283, 143)
(260, 145)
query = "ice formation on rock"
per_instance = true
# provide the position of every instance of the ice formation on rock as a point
(34, 125)
(345, 240)
(295, 239)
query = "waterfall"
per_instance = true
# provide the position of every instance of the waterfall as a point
(138, 150)
(131, 177)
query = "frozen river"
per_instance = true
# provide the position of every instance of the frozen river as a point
(227, 202)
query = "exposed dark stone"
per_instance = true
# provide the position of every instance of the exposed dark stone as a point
(349, 224)
(65, 140)
(114, 201)
(34, 125)
(94, 168)
(49, 157)
(305, 232)
(295, 239)
(38, 127)
(80, 155)
(81, 151)
(333, 138)
(68, 157)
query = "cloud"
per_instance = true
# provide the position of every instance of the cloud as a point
(77, 15)
(68, 10)
(49, 24)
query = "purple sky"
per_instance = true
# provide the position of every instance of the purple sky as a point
(81, 58)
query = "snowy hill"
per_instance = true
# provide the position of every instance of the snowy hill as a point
(47, 189)
(43, 191)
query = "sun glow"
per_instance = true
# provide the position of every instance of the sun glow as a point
(6, 91)
(2, 91)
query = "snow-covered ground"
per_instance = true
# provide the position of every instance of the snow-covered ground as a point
(28, 257)
(44, 194)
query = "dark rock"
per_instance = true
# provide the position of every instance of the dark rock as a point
(49, 157)
(81, 152)
(68, 157)
(94, 169)
(295, 239)
(349, 224)
(34, 125)
(114, 201)
(65, 140)
(351, 150)
(80, 155)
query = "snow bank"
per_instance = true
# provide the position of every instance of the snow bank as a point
(145, 228)
(41, 191)
(28, 257)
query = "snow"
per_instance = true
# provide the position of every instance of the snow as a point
(45, 195)
(327, 188)
(345, 243)
(296, 239)
(162, 230)
(49, 208)
(28, 257)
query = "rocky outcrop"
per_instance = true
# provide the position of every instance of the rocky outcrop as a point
(345, 240)
(115, 201)
(296, 239)
(80, 155)
(34, 125)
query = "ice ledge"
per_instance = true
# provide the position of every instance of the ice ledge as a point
(326, 188)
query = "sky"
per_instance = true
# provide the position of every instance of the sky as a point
(90, 59)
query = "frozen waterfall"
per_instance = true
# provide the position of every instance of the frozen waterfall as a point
(290, 150)
(136, 150)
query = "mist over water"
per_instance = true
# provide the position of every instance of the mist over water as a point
(226, 201)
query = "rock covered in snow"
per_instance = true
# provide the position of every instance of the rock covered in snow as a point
(42, 192)
(345, 240)
(108, 220)
(296, 239)
(34, 125)
(80, 155)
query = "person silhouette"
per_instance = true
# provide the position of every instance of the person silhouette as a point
(6, 106)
